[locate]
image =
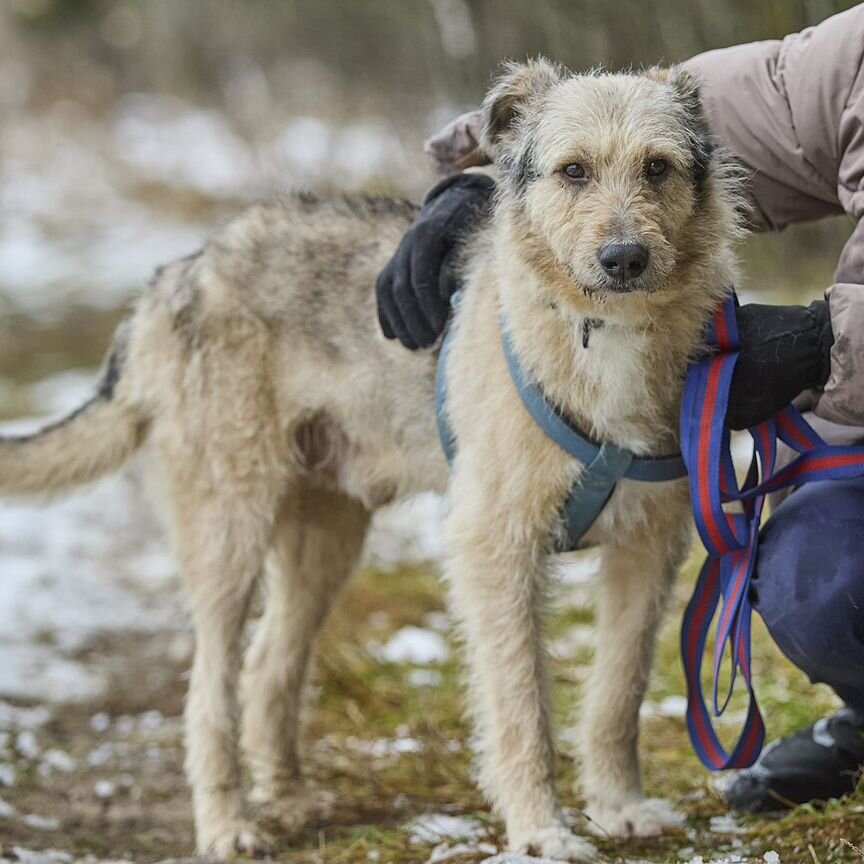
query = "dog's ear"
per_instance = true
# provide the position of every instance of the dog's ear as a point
(701, 140)
(512, 91)
(702, 144)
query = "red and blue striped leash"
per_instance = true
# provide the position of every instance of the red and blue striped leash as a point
(731, 538)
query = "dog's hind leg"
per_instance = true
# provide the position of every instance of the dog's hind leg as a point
(637, 574)
(317, 544)
(222, 547)
(224, 453)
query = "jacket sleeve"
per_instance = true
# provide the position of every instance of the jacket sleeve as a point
(785, 109)
(842, 399)
(456, 146)
(792, 111)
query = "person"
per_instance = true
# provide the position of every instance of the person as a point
(792, 112)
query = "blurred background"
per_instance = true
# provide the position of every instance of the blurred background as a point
(128, 130)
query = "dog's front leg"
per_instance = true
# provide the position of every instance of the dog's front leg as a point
(497, 570)
(636, 577)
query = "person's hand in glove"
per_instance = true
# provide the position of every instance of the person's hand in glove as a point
(414, 289)
(784, 351)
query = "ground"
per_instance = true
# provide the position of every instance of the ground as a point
(97, 645)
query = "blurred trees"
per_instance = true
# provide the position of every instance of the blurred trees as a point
(336, 94)
(402, 56)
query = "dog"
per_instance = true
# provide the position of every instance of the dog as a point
(277, 418)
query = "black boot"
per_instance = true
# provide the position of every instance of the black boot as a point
(814, 764)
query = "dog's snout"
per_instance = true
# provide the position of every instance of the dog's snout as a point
(623, 261)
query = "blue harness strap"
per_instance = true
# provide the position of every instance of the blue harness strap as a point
(605, 464)
(445, 433)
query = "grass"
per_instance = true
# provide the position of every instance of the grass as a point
(364, 699)
(358, 700)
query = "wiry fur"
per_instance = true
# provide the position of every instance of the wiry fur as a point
(279, 418)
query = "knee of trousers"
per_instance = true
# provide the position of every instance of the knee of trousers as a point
(808, 584)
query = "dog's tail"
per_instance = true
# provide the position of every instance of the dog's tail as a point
(92, 441)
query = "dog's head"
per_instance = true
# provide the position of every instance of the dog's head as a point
(605, 177)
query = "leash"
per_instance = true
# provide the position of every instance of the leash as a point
(732, 539)
(605, 464)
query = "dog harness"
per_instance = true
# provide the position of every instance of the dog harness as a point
(605, 464)
(732, 538)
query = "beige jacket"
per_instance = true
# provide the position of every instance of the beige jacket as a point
(793, 112)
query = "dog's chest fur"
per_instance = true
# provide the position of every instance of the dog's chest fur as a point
(611, 371)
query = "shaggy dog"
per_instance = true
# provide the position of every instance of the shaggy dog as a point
(278, 418)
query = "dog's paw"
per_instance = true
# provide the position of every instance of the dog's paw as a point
(236, 838)
(556, 842)
(292, 812)
(647, 817)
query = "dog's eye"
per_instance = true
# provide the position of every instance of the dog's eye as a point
(575, 171)
(656, 167)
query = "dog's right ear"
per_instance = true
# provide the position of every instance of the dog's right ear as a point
(512, 91)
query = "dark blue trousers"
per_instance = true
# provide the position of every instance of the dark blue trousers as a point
(809, 583)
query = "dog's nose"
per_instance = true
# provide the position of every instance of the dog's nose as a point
(624, 261)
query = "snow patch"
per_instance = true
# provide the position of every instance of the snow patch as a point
(162, 138)
(726, 859)
(73, 569)
(515, 858)
(576, 639)
(103, 789)
(578, 568)
(57, 760)
(407, 533)
(435, 827)
(415, 645)
(424, 677)
(42, 856)
(444, 851)
(26, 744)
(41, 823)
(671, 706)
(726, 824)
(14, 717)
(382, 748)
(100, 722)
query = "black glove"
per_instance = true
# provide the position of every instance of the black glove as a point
(415, 288)
(784, 351)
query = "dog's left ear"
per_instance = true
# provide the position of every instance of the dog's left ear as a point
(702, 143)
(510, 96)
